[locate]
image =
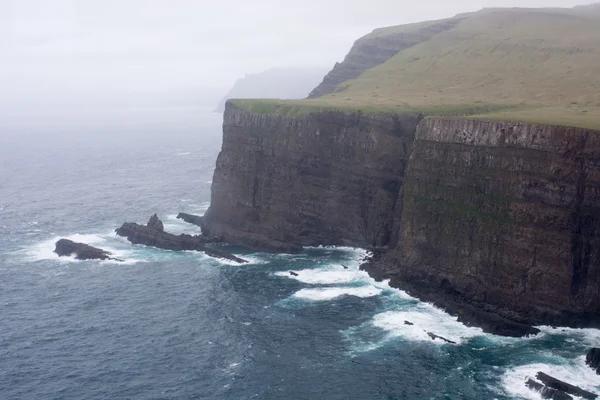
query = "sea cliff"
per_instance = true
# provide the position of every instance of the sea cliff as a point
(483, 218)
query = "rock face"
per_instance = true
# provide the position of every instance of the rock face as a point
(504, 217)
(496, 222)
(378, 47)
(82, 251)
(190, 218)
(593, 359)
(152, 234)
(326, 178)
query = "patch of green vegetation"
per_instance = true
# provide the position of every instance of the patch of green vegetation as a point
(522, 65)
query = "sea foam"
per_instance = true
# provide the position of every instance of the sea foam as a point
(575, 372)
(322, 294)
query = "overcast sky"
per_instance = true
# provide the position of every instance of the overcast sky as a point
(106, 47)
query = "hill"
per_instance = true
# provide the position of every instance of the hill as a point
(534, 65)
(284, 83)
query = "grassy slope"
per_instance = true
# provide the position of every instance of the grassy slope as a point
(533, 65)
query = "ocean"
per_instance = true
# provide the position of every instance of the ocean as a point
(170, 325)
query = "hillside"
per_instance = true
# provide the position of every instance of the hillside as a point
(532, 65)
(284, 83)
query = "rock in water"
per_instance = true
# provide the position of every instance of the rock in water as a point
(292, 273)
(557, 384)
(155, 223)
(546, 392)
(82, 251)
(190, 218)
(153, 235)
(593, 359)
(433, 336)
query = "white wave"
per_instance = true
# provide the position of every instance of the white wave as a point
(325, 277)
(186, 153)
(323, 294)
(425, 318)
(575, 372)
(589, 336)
(252, 260)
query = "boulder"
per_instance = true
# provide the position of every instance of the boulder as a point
(593, 359)
(190, 219)
(81, 251)
(153, 235)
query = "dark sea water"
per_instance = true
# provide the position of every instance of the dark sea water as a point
(167, 325)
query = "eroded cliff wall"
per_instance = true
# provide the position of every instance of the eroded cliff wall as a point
(505, 217)
(327, 178)
(497, 217)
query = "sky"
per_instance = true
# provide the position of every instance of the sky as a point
(60, 50)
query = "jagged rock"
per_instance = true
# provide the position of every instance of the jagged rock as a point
(155, 223)
(293, 273)
(593, 359)
(82, 251)
(562, 386)
(190, 219)
(224, 255)
(433, 336)
(546, 392)
(153, 235)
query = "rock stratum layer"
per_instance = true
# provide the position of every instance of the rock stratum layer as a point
(495, 217)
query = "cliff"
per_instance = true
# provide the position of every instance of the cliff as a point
(378, 47)
(324, 178)
(483, 218)
(503, 216)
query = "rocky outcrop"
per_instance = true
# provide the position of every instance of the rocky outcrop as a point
(152, 234)
(81, 251)
(378, 47)
(593, 359)
(496, 222)
(155, 223)
(563, 388)
(328, 178)
(546, 392)
(190, 218)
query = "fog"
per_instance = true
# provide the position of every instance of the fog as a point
(92, 55)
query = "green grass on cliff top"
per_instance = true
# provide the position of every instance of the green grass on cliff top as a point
(530, 65)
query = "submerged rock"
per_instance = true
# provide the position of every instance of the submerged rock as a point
(190, 219)
(153, 234)
(433, 336)
(292, 273)
(81, 251)
(565, 387)
(593, 359)
(546, 392)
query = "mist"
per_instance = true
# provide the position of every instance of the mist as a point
(69, 62)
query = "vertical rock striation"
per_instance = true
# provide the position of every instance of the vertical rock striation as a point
(504, 217)
(327, 178)
(477, 216)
